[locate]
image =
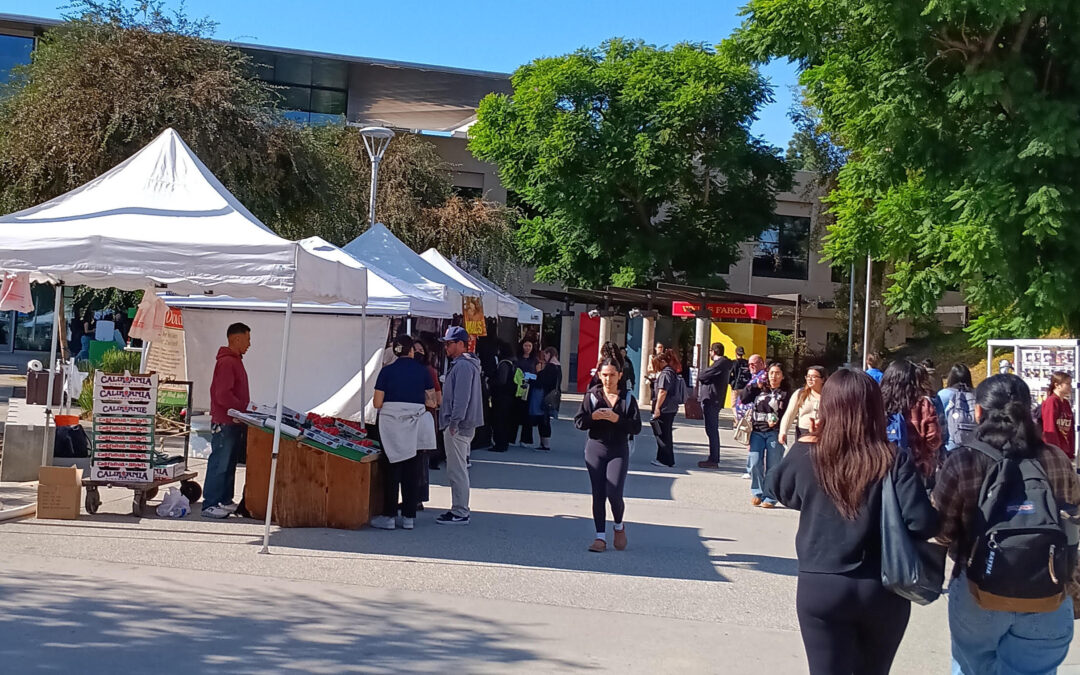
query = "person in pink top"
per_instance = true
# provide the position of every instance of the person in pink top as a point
(228, 389)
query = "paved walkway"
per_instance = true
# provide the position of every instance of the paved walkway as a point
(706, 586)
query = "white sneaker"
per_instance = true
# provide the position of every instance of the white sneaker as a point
(408, 523)
(230, 507)
(216, 511)
(660, 464)
(383, 523)
(746, 476)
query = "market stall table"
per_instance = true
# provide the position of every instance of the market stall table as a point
(313, 487)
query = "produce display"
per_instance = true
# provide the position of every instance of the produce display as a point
(337, 436)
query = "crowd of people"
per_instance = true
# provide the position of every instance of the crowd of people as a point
(973, 469)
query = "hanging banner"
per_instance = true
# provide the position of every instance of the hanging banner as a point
(473, 311)
(167, 355)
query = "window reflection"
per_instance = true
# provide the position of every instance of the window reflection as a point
(783, 250)
(14, 51)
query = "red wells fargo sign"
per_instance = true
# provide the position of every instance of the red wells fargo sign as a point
(724, 310)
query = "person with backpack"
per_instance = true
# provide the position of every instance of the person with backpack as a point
(834, 476)
(548, 379)
(609, 412)
(769, 400)
(912, 421)
(957, 399)
(1056, 414)
(670, 394)
(999, 501)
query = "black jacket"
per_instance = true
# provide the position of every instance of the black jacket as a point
(740, 375)
(829, 543)
(614, 434)
(714, 381)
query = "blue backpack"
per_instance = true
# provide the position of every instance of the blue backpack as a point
(896, 431)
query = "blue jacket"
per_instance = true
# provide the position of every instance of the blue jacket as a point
(462, 405)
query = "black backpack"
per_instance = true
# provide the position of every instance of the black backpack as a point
(1021, 558)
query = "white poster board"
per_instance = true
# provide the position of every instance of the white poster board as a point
(167, 355)
(1034, 361)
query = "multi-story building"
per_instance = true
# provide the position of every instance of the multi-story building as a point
(441, 103)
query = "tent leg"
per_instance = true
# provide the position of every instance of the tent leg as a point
(363, 367)
(59, 289)
(277, 427)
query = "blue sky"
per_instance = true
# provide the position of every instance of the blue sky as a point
(483, 34)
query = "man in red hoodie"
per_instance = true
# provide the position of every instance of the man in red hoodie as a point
(229, 389)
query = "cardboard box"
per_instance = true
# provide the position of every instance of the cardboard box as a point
(59, 492)
(122, 472)
(168, 471)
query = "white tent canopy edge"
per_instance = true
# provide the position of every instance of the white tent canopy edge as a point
(162, 218)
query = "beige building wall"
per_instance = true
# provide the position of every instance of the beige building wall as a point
(469, 172)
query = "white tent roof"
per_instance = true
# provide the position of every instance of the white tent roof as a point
(379, 249)
(497, 302)
(387, 296)
(161, 216)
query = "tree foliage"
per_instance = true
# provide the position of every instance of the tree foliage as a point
(108, 80)
(637, 163)
(960, 117)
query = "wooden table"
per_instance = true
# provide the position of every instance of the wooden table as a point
(313, 488)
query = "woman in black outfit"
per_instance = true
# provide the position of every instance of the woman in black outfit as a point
(526, 363)
(610, 414)
(849, 622)
(548, 379)
(504, 399)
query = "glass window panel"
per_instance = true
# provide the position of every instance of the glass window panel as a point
(261, 64)
(332, 74)
(292, 69)
(14, 51)
(783, 250)
(328, 102)
(301, 116)
(294, 98)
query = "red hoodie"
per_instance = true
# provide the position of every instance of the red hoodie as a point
(229, 389)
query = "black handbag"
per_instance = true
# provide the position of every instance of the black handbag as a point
(911, 568)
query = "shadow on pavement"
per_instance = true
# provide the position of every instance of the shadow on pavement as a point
(109, 627)
(555, 542)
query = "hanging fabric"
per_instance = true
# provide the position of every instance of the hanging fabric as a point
(15, 293)
(149, 323)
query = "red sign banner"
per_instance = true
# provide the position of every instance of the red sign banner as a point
(174, 319)
(724, 310)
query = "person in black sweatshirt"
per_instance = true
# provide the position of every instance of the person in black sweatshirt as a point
(610, 414)
(849, 622)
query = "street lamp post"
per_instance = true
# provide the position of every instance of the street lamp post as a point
(376, 140)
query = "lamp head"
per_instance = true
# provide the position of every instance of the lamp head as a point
(376, 140)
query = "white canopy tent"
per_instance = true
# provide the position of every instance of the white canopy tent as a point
(162, 218)
(504, 304)
(379, 249)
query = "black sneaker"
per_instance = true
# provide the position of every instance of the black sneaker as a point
(449, 518)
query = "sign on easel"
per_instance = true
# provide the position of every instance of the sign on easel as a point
(167, 356)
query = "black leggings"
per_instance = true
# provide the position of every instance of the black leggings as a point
(405, 474)
(543, 423)
(607, 473)
(849, 623)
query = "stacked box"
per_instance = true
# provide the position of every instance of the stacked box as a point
(123, 439)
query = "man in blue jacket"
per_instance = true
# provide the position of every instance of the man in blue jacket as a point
(460, 414)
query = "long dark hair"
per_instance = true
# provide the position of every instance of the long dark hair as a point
(610, 350)
(618, 366)
(959, 378)
(1006, 422)
(900, 389)
(851, 452)
(785, 384)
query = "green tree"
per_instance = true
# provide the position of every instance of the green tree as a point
(960, 120)
(638, 162)
(108, 80)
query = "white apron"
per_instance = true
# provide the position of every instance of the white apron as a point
(403, 428)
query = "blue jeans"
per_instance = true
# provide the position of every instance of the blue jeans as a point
(1005, 643)
(765, 454)
(220, 480)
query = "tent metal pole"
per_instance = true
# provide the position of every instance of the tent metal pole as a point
(277, 427)
(59, 292)
(363, 367)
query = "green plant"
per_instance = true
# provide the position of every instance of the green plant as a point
(119, 360)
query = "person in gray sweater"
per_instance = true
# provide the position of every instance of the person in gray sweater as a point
(459, 416)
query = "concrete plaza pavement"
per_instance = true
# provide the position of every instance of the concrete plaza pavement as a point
(707, 584)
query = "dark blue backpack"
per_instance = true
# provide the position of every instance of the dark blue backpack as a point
(896, 431)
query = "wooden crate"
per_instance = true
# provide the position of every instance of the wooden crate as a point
(313, 488)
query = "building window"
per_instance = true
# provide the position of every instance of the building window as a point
(840, 274)
(311, 90)
(14, 51)
(783, 250)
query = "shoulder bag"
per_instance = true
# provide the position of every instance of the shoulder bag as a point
(911, 568)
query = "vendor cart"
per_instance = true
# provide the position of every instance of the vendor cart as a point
(138, 429)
